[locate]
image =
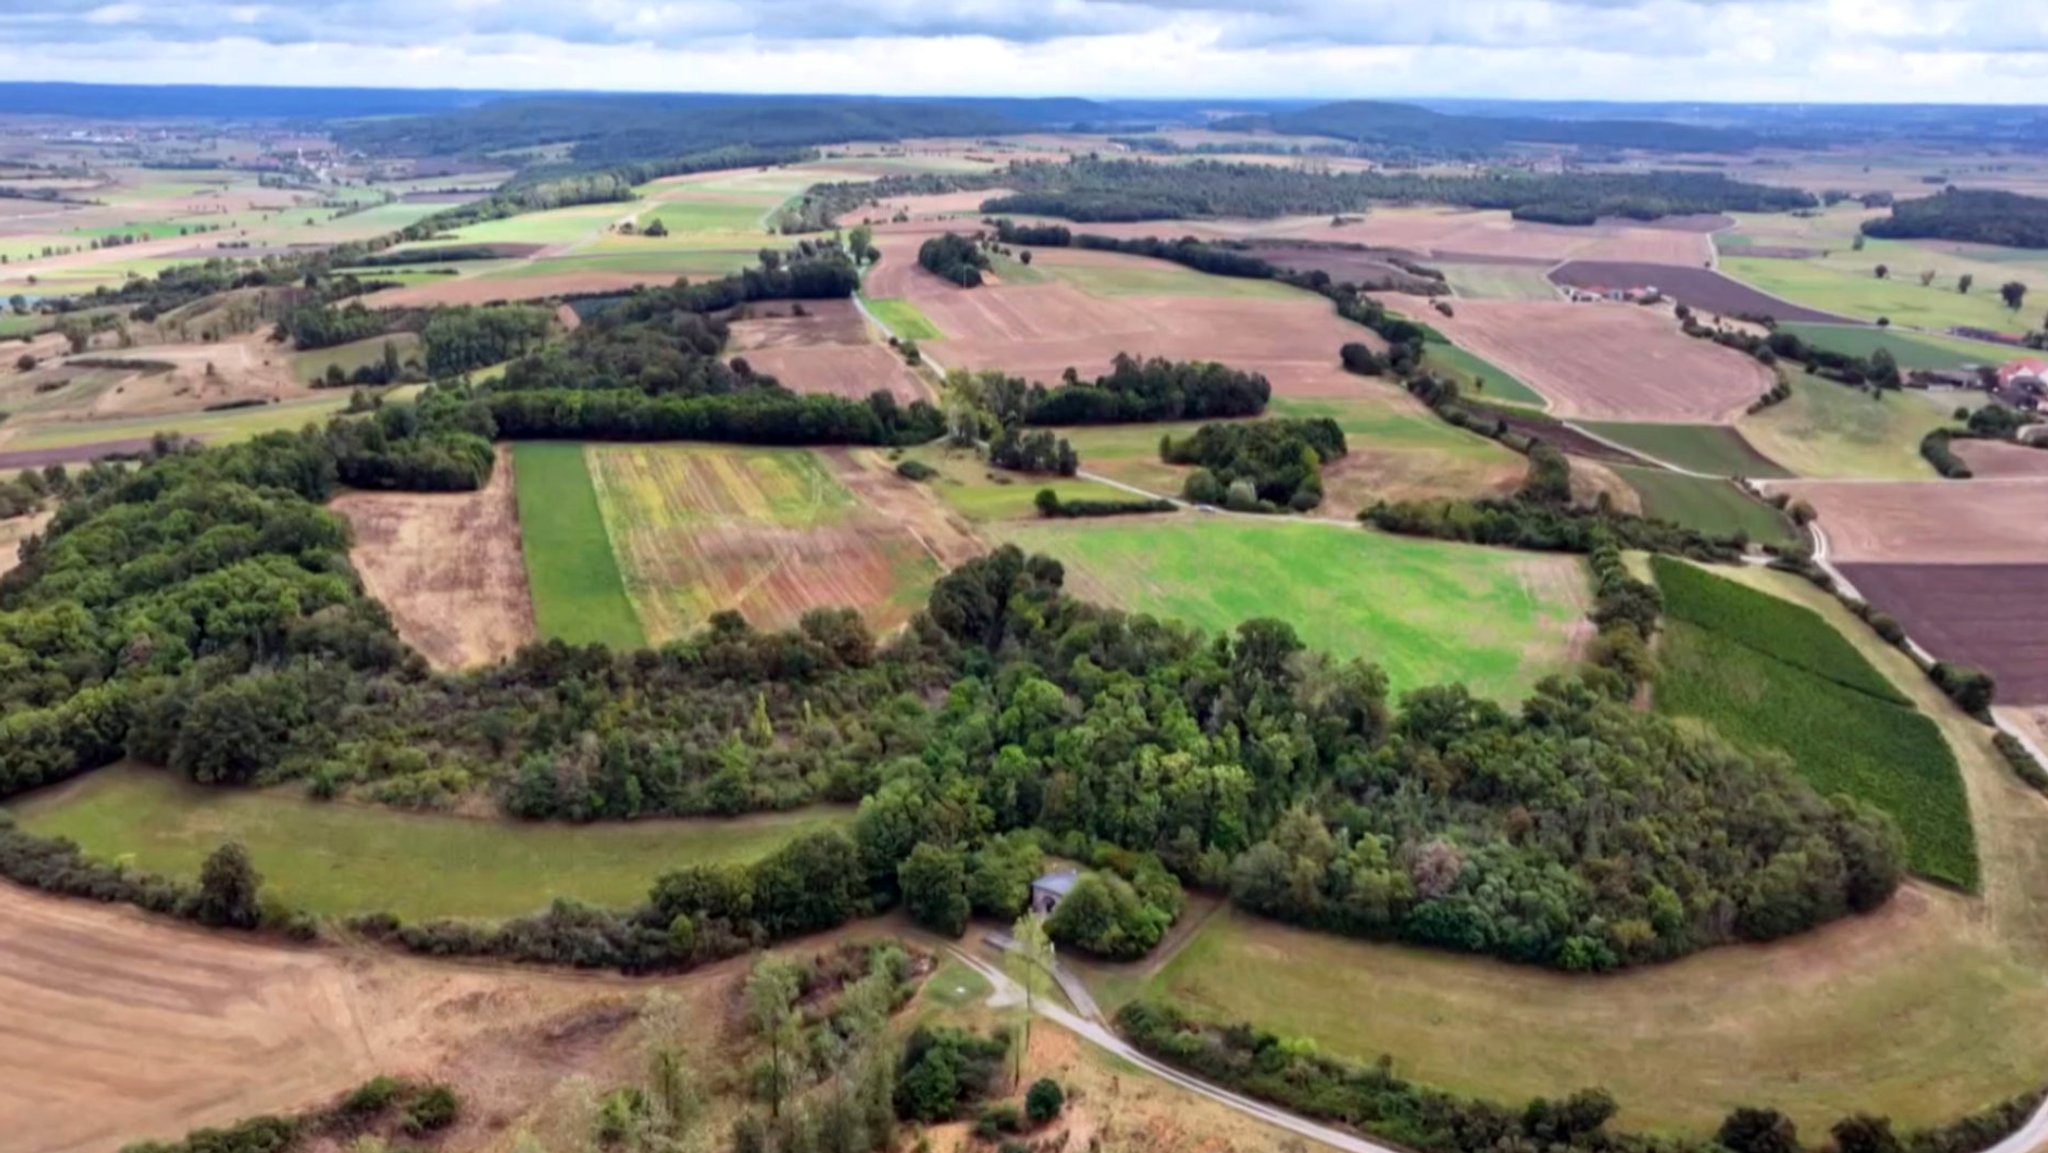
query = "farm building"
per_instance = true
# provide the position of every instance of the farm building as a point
(2023, 383)
(1048, 891)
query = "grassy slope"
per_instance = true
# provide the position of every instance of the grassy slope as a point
(1427, 612)
(1709, 448)
(339, 859)
(1770, 675)
(1830, 430)
(904, 320)
(1465, 367)
(1853, 290)
(578, 594)
(1910, 349)
(1711, 506)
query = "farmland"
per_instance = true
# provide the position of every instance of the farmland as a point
(904, 320)
(1833, 430)
(1965, 613)
(1981, 522)
(1714, 449)
(967, 485)
(1858, 293)
(1493, 384)
(339, 859)
(1701, 289)
(1111, 274)
(767, 533)
(578, 594)
(1499, 281)
(1426, 612)
(1710, 506)
(1770, 675)
(309, 367)
(1910, 349)
(1399, 452)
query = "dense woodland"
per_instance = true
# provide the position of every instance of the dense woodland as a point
(1257, 466)
(1980, 216)
(1133, 391)
(955, 258)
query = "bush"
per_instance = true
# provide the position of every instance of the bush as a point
(916, 470)
(1973, 690)
(2022, 761)
(1044, 1101)
(433, 1110)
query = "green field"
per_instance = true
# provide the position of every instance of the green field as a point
(1467, 368)
(224, 427)
(1714, 449)
(979, 493)
(1711, 506)
(1139, 276)
(553, 227)
(1499, 281)
(666, 260)
(336, 859)
(578, 594)
(704, 214)
(903, 319)
(1847, 285)
(1770, 675)
(1425, 611)
(1010, 270)
(1829, 430)
(1911, 349)
(310, 366)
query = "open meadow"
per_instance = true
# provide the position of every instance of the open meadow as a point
(578, 593)
(1428, 613)
(1830, 430)
(1713, 449)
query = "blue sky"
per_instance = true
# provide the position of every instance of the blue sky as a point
(1978, 51)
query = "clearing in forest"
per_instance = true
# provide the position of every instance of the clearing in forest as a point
(1427, 612)
(767, 533)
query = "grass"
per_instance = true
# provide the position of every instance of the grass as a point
(1774, 676)
(310, 366)
(1850, 288)
(969, 487)
(1911, 349)
(1830, 430)
(337, 859)
(1499, 281)
(956, 985)
(214, 427)
(1138, 276)
(1715, 449)
(1495, 383)
(1010, 270)
(905, 320)
(1711, 506)
(578, 594)
(1427, 612)
(702, 214)
(655, 258)
(554, 227)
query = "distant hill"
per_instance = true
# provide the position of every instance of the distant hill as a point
(1409, 126)
(230, 102)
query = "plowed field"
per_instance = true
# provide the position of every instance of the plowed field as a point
(1931, 522)
(1971, 614)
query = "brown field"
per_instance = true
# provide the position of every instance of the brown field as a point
(1358, 265)
(960, 209)
(483, 290)
(1970, 614)
(1699, 288)
(830, 322)
(448, 566)
(841, 370)
(1999, 460)
(768, 533)
(1603, 361)
(1930, 522)
(119, 1027)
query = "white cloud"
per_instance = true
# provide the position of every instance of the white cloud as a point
(1777, 50)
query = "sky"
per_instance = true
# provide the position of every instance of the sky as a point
(1907, 51)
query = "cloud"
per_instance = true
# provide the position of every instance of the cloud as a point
(1779, 50)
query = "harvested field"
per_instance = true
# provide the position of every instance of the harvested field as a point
(2002, 460)
(1979, 615)
(1489, 281)
(121, 1027)
(842, 370)
(1602, 361)
(829, 322)
(767, 533)
(1986, 522)
(448, 566)
(1360, 265)
(1701, 289)
(488, 290)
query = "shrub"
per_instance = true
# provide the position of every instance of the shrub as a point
(1044, 1101)
(916, 470)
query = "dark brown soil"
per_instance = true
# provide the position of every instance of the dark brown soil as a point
(1699, 288)
(1980, 615)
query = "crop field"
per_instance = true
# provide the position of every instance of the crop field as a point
(1427, 612)
(338, 859)
(213, 427)
(1466, 368)
(1858, 293)
(1772, 675)
(311, 366)
(1911, 349)
(1499, 281)
(1944, 521)
(1702, 289)
(2002, 460)
(1711, 506)
(904, 320)
(1010, 270)
(447, 566)
(650, 263)
(578, 593)
(1965, 613)
(1831, 430)
(768, 533)
(1113, 274)
(1715, 449)
(1603, 361)
(704, 213)
(556, 226)
(1399, 451)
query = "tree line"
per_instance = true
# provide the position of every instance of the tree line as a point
(1980, 216)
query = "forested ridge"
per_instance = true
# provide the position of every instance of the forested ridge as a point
(1977, 215)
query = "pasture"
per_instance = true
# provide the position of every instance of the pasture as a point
(1710, 506)
(1426, 612)
(337, 859)
(903, 320)
(1853, 290)
(1112, 274)
(578, 593)
(768, 533)
(1910, 349)
(1399, 451)
(1773, 676)
(1499, 281)
(1714, 449)
(1834, 430)
(968, 486)
(1479, 376)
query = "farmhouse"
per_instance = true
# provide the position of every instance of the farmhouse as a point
(2023, 383)
(1048, 891)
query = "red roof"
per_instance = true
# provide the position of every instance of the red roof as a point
(2009, 372)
